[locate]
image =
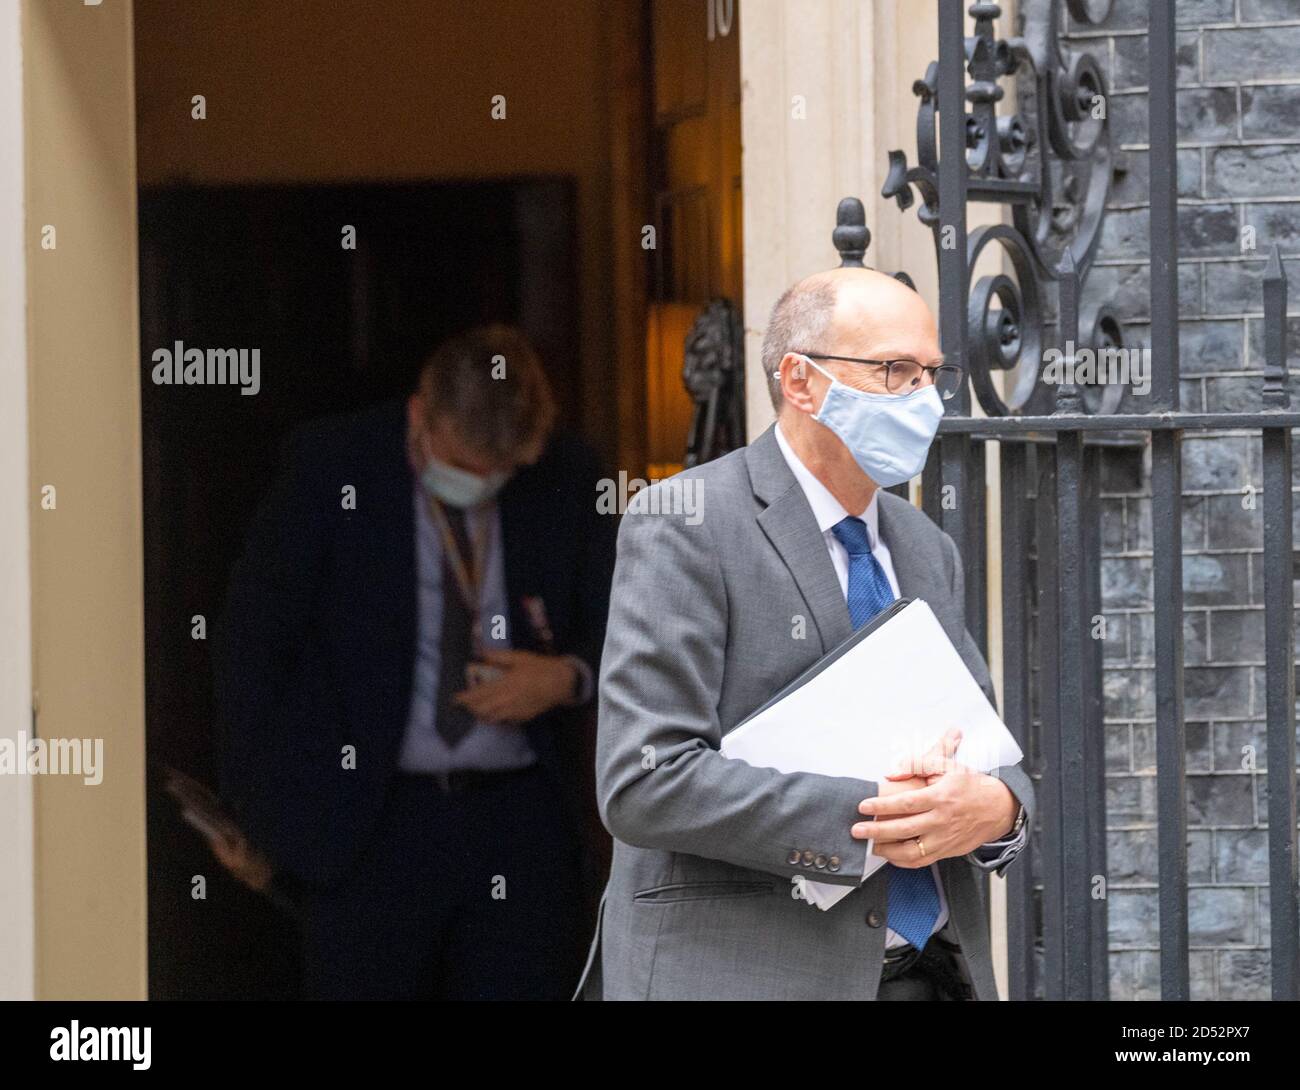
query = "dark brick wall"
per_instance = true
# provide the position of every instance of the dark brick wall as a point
(1238, 167)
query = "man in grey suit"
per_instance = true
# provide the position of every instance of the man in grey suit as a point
(734, 577)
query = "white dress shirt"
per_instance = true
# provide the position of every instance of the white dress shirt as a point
(828, 511)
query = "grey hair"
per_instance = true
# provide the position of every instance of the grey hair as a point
(799, 322)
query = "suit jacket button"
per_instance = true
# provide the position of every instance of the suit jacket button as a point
(820, 862)
(834, 863)
(793, 857)
(808, 858)
(874, 918)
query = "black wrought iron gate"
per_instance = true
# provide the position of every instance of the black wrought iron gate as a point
(1051, 163)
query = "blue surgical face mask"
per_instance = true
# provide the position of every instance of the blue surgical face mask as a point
(889, 435)
(458, 487)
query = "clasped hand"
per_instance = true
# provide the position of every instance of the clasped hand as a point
(950, 807)
(528, 685)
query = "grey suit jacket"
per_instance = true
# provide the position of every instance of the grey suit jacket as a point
(714, 608)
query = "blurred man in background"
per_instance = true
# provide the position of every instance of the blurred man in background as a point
(420, 605)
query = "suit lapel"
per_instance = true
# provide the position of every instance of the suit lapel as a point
(790, 526)
(916, 579)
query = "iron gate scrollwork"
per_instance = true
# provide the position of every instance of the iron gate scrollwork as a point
(1050, 161)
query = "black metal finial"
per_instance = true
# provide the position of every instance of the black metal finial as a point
(851, 236)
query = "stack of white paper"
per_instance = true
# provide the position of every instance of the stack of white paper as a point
(893, 694)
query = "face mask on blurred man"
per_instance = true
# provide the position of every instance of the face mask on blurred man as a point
(453, 484)
(459, 487)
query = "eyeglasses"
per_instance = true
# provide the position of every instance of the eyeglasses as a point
(904, 376)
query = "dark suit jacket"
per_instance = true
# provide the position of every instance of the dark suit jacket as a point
(317, 646)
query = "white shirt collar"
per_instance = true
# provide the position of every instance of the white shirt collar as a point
(826, 509)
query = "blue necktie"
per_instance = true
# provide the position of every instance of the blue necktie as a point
(913, 896)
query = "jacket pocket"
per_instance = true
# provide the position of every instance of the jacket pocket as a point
(700, 891)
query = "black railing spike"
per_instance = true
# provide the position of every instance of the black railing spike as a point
(851, 236)
(1273, 269)
(1277, 394)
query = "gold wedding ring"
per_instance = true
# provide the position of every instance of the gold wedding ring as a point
(920, 844)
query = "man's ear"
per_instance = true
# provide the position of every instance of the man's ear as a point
(416, 427)
(415, 411)
(796, 385)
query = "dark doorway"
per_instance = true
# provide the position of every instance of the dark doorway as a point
(265, 267)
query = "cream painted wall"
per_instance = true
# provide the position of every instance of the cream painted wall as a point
(17, 884)
(87, 583)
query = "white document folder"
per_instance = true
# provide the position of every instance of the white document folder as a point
(892, 689)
